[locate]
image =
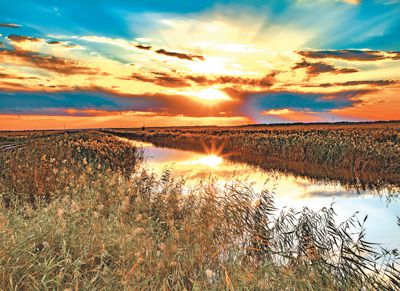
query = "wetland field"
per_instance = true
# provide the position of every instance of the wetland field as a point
(295, 207)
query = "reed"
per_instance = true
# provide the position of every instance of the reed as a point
(98, 221)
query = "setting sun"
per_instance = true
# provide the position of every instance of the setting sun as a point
(210, 95)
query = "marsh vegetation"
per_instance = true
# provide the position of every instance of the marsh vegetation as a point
(362, 155)
(78, 211)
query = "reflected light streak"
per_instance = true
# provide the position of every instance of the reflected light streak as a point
(210, 161)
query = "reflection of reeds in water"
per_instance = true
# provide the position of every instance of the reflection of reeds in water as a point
(97, 222)
(364, 156)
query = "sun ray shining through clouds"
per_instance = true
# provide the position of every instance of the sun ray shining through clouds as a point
(122, 63)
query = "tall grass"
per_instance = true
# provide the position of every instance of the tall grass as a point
(116, 226)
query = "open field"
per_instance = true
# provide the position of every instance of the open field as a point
(78, 210)
(366, 155)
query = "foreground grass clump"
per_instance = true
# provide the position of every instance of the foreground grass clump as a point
(112, 230)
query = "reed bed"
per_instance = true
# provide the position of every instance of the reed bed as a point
(368, 154)
(79, 211)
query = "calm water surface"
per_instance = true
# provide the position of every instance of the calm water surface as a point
(290, 190)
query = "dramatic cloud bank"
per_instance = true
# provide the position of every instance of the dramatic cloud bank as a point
(125, 63)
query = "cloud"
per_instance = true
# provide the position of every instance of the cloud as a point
(99, 112)
(314, 69)
(354, 2)
(292, 115)
(177, 81)
(363, 82)
(22, 38)
(30, 121)
(350, 55)
(182, 56)
(128, 45)
(44, 102)
(160, 79)
(99, 99)
(13, 86)
(166, 80)
(17, 77)
(396, 55)
(266, 81)
(302, 101)
(143, 47)
(47, 62)
(10, 25)
(379, 105)
(284, 106)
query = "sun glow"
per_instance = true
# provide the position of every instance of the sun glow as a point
(209, 95)
(209, 161)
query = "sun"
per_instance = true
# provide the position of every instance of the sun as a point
(209, 96)
(212, 95)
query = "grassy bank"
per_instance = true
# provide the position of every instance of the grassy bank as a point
(78, 211)
(368, 154)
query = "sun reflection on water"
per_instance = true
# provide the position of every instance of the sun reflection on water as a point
(210, 160)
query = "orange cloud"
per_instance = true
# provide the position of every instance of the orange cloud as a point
(47, 62)
(371, 83)
(293, 115)
(160, 79)
(27, 122)
(22, 38)
(314, 69)
(350, 55)
(266, 81)
(382, 105)
(177, 81)
(15, 76)
(99, 112)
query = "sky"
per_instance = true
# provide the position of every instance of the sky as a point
(128, 63)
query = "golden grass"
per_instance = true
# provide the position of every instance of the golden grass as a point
(78, 213)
